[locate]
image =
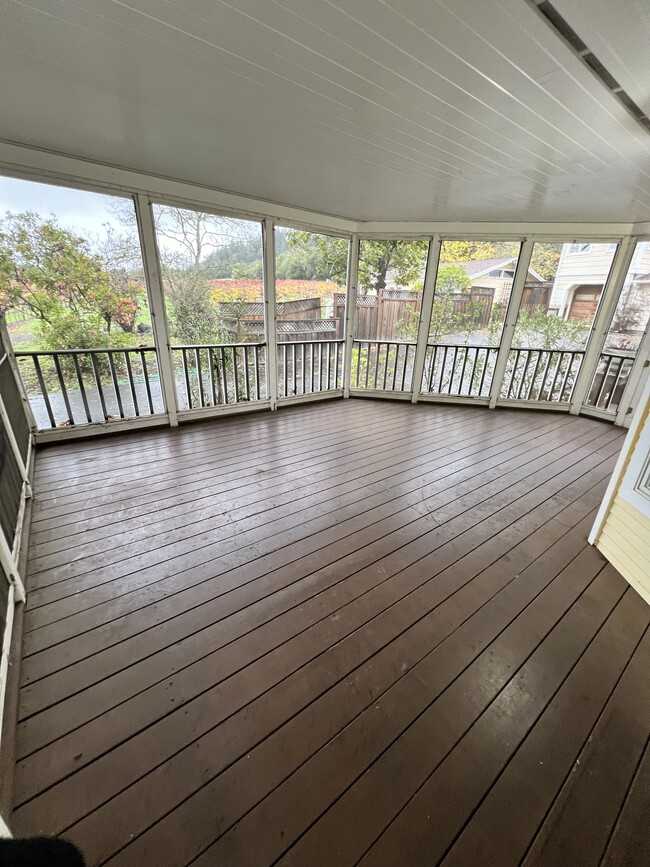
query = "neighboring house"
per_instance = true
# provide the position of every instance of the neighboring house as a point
(495, 274)
(581, 275)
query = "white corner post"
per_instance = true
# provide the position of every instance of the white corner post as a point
(519, 282)
(428, 291)
(636, 382)
(159, 324)
(10, 569)
(602, 321)
(10, 359)
(350, 310)
(270, 330)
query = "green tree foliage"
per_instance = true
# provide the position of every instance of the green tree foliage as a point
(405, 260)
(544, 260)
(452, 278)
(56, 276)
(536, 329)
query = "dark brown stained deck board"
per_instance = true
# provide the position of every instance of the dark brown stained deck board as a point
(629, 844)
(414, 474)
(174, 608)
(414, 495)
(330, 467)
(583, 816)
(174, 703)
(271, 762)
(557, 706)
(366, 579)
(115, 598)
(44, 727)
(154, 503)
(237, 463)
(236, 451)
(111, 692)
(429, 732)
(324, 490)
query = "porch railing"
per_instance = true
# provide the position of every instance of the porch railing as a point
(81, 386)
(309, 367)
(223, 374)
(381, 365)
(458, 370)
(610, 379)
(547, 375)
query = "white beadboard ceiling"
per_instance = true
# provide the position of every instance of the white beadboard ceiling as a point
(368, 109)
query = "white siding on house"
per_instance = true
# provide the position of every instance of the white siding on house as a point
(575, 269)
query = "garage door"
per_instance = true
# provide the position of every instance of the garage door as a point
(584, 303)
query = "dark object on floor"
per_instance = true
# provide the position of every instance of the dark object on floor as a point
(40, 852)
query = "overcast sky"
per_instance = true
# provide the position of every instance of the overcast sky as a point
(75, 210)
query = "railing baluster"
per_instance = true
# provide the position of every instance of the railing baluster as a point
(379, 345)
(555, 375)
(443, 369)
(147, 385)
(64, 391)
(224, 373)
(542, 384)
(257, 370)
(285, 369)
(534, 376)
(320, 365)
(395, 365)
(432, 370)
(462, 372)
(312, 367)
(235, 372)
(522, 381)
(247, 382)
(188, 388)
(337, 365)
(199, 375)
(453, 370)
(129, 371)
(612, 392)
(406, 358)
(513, 377)
(486, 362)
(293, 362)
(328, 366)
(604, 381)
(566, 376)
(116, 385)
(213, 386)
(82, 388)
(303, 357)
(100, 390)
(473, 373)
(41, 382)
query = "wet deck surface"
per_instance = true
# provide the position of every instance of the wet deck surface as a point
(355, 632)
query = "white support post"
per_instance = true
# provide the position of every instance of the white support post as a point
(11, 569)
(518, 284)
(270, 330)
(636, 381)
(350, 311)
(15, 448)
(601, 323)
(159, 324)
(426, 308)
(13, 364)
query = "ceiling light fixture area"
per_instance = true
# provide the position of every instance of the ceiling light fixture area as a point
(552, 17)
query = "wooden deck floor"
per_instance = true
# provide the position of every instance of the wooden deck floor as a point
(348, 633)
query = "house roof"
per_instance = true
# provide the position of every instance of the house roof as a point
(479, 267)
